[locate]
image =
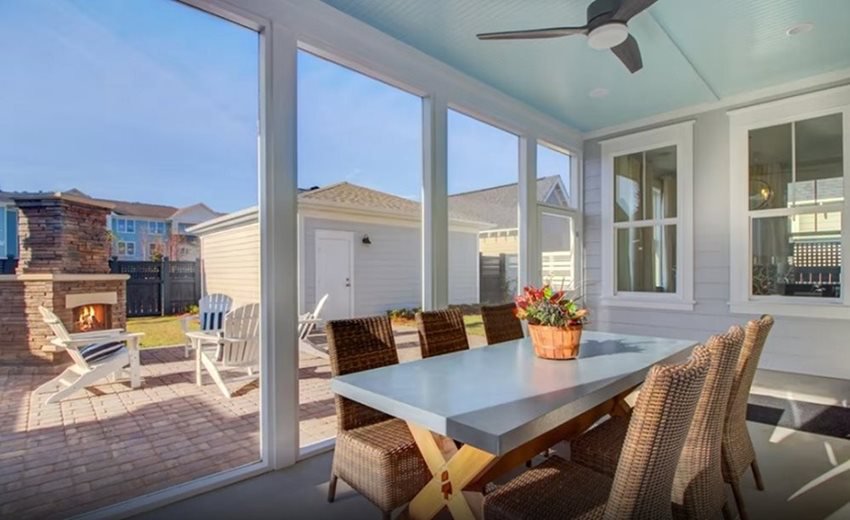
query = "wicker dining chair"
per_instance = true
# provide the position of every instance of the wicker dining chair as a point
(698, 489)
(375, 454)
(737, 447)
(643, 481)
(500, 323)
(441, 332)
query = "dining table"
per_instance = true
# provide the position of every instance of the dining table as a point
(477, 414)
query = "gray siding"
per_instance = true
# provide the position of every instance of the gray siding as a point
(387, 273)
(813, 346)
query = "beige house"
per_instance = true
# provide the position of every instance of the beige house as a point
(360, 246)
(499, 245)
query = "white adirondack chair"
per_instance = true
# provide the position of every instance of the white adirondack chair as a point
(236, 347)
(96, 355)
(211, 311)
(306, 325)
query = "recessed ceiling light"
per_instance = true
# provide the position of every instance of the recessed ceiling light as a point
(799, 28)
(598, 92)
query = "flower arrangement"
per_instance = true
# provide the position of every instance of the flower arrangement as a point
(549, 308)
(554, 321)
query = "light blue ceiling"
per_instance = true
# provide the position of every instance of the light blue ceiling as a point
(693, 51)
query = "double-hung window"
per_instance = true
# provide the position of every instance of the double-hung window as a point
(789, 213)
(647, 244)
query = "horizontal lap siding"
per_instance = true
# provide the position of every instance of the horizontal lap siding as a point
(387, 273)
(802, 345)
(231, 263)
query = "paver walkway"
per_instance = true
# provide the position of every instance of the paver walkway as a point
(110, 442)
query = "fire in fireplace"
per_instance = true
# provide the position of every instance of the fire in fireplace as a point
(92, 317)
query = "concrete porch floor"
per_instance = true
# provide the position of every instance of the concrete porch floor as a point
(790, 455)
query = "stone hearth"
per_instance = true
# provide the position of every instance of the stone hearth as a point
(64, 263)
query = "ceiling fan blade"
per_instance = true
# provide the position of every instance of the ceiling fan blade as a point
(532, 34)
(630, 8)
(629, 54)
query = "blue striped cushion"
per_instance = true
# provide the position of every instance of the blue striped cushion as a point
(100, 351)
(212, 320)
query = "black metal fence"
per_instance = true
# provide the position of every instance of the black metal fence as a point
(8, 265)
(498, 278)
(160, 288)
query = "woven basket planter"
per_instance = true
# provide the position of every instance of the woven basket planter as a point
(556, 342)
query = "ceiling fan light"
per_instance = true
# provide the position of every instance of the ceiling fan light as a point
(608, 35)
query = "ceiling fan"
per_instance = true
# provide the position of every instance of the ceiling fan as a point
(606, 28)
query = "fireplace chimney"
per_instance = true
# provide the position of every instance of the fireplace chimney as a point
(62, 233)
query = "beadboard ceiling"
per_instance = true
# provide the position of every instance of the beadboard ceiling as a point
(694, 51)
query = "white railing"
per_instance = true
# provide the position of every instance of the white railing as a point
(557, 269)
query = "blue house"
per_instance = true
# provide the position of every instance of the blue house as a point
(8, 228)
(139, 231)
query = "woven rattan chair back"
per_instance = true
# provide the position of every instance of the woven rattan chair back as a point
(441, 332)
(659, 425)
(738, 451)
(698, 489)
(500, 323)
(355, 345)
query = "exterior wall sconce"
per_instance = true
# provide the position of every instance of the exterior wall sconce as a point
(366, 240)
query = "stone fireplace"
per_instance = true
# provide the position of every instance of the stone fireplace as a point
(63, 266)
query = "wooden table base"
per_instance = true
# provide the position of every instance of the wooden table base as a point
(460, 474)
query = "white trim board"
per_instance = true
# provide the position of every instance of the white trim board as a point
(790, 89)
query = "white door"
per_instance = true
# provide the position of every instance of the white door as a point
(335, 272)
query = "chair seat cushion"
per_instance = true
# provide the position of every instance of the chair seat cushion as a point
(599, 448)
(381, 461)
(99, 352)
(555, 489)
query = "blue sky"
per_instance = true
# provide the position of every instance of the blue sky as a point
(153, 101)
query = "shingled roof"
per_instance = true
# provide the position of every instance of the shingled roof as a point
(129, 209)
(497, 205)
(352, 195)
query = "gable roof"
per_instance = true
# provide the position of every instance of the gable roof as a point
(120, 207)
(140, 209)
(498, 205)
(194, 207)
(354, 196)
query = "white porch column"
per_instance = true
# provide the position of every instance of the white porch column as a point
(435, 218)
(529, 247)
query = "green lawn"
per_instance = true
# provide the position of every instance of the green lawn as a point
(159, 330)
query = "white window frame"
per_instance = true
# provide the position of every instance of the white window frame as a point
(741, 121)
(120, 225)
(681, 136)
(131, 226)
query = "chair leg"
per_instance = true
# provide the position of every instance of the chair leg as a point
(757, 475)
(56, 383)
(739, 500)
(215, 374)
(727, 512)
(332, 488)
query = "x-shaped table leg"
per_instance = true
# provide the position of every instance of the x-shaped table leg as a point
(452, 469)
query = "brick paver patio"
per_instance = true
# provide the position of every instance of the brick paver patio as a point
(111, 443)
